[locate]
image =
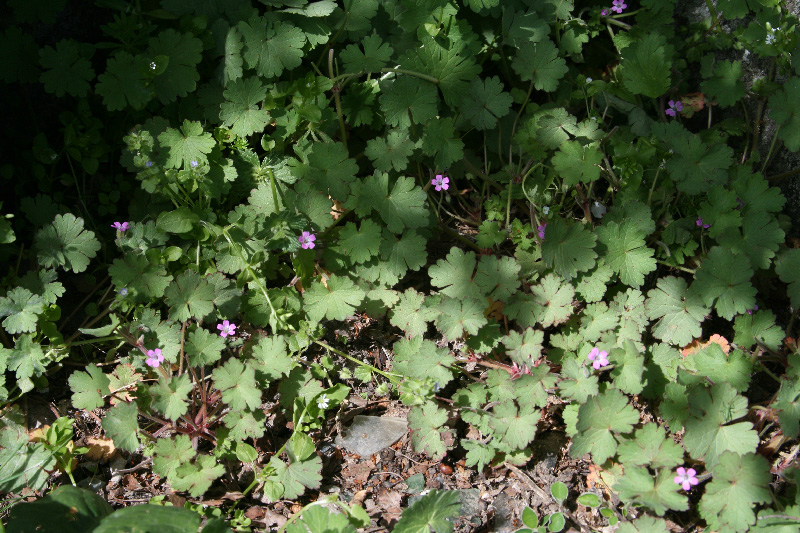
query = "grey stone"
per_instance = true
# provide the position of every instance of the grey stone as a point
(368, 435)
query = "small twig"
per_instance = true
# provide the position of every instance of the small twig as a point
(137, 467)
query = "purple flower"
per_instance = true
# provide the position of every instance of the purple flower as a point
(194, 164)
(154, 358)
(674, 108)
(226, 328)
(121, 226)
(441, 182)
(148, 164)
(599, 359)
(686, 478)
(307, 240)
(750, 311)
(619, 6)
(700, 224)
(123, 291)
(604, 12)
(540, 229)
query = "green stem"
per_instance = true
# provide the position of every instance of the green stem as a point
(337, 100)
(713, 11)
(412, 73)
(92, 341)
(771, 148)
(684, 269)
(394, 378)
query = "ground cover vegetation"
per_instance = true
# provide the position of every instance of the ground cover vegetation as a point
(558, 210)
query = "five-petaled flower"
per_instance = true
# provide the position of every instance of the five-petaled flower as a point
(307, 240)
(700, 223)
(675, 107)
(540, 230)
(686, 478)
(619, 6)
(323, 401)
(120, 226)
(546, 210)
(599, 359)
(123, 291)
(154, 358)
(441, 182)
(194, 164)
(226, 328)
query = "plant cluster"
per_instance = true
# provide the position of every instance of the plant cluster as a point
(563, 204)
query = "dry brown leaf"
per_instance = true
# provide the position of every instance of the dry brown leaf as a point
(100, 449)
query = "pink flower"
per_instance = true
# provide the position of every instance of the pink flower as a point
(619, 6)
(600, 359)
(750, 311)
(226, 328)
(120, 226)
(686, 478)
(700, 224)
(674, 108)
(154, 358)
(541, 229)
(604, 12)
(307, 240)
(441, 182)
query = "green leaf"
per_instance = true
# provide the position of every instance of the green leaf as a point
(512, 426)
(188, 144)
(65, 243)
(403, 207)
(593, 286)
(678, 312)
(599, 419)
(650, 447)
(559, 491)
(411, 315)
(644, 524)
(788, 269)
(628, 364)
(453, 67)
(568, 248)
(22, 309)
(271, 358)
(485, 102)
(626, 251)
(554, 297)
(391, 152)
(125, 82)
(297, 476)
(246, 425)
(89, 388)
(696, 167)
(787, 401)
(408, 99)
(121, 426)
(724, 280)
(755, 192)
(784, 108)
(67, 509)
(203, 348)
(758, 328)
(498, 278)
(171, 395)
(376, 54)
(143, 278)
(23, 463)
(418, 358)
(242, 112)
(424, 423)
(151, 518)
(478, 453)
(331, 169)
(646, 65)
(69, 70)
(712, 363)
(738, 483)
(180, 77)
(457, 317)
(190, 296)
(524, 348)
(271, 47)
(637, 485)
(237, 382)
(403, 253)
(197, 477)
(336, 302)
(726, 85)
(577, 162)
(318, 518)
(577, 382)
(453, 275)
(758, 240)
(169, 454)
(27, 360)
(709, 432)
(437, 510)
(442, 142)
(539, 62)
(44, 284)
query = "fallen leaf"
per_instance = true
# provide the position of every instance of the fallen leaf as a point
(100, 449)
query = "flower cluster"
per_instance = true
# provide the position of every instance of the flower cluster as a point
(599, 358)
(441, 182)
(675, 107)
(226, 328)
(307, 240)
(154, 358)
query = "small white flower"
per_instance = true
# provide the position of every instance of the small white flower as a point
(323, 401)
(152, 65)
(598, 210)
(546, 210)
(589, 80)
